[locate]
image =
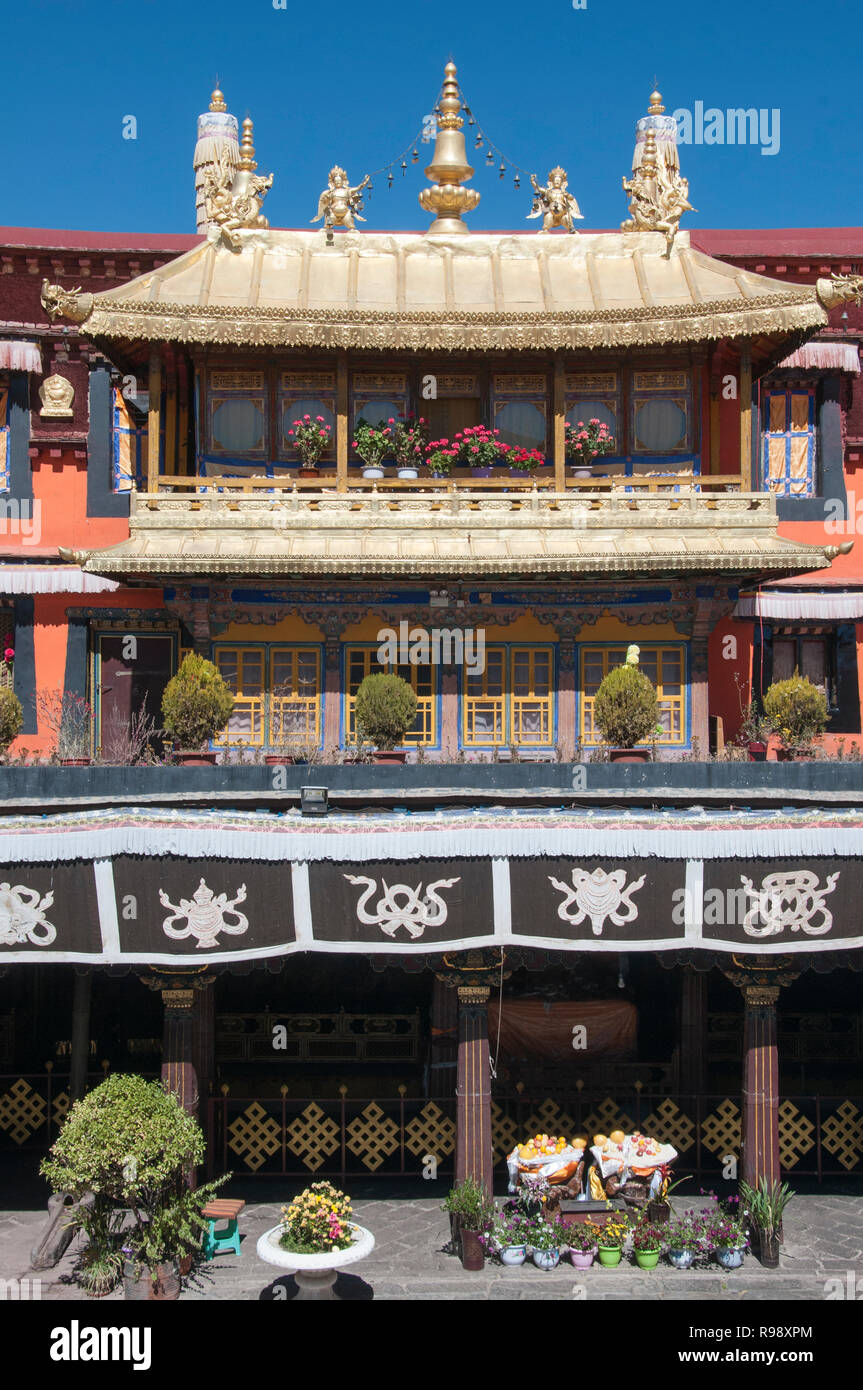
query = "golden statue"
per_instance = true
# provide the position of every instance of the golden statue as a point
(339, 204)
(232, 199)
(553, 203)
(56, 394)
(656, 202)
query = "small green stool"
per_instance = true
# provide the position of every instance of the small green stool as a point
(226, 1237)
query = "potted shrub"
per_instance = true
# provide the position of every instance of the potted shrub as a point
(440, 457)
(196, 706)
(479, 449)
(585, 442)
(612, 1238)
(471, 1212)
(385, 708)
(754, 733)
(409, 437)
(548, 1237)
(582, 1239)
(625, 711)
(373, 443)
(310, 438)
(646, 1245)
(798, 713)
(130, 1144)
(69, 718)
(11, 718)
(765, 1205)
(684, 1239)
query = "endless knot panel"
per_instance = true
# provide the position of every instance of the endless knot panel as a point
(606, 1117)
(60, 1107)
(373, 1136)
(504, 1132)
(254, 1136)
(795, 1134)
(313, 1136)
(430, 1132)
(22, 1111)
(549, 1118)
(720, 1132)
(669, 1125)
(842, 1134)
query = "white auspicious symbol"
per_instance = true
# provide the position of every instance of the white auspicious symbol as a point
(205, 915)
(788, 900)
(22, 916)
(598, 896)
(401, 906)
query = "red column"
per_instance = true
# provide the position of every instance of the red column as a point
(566, 730)
(473, 1141)
(332, 696)
(760, 1146)
(693, 1031)
(178, 1068)
(443, 1053)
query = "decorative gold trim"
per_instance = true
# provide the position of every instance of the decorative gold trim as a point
(473, 994)
(759, 996)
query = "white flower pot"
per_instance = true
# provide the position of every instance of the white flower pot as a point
(513, 1254)
(373, 472)
(315, 1274)
(408, 473)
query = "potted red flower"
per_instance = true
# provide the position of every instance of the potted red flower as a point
(310, 438)
(586, 442)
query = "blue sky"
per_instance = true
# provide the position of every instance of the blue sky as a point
(338, 82)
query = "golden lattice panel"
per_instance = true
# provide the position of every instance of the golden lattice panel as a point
(504, 1131)
(22, 1111)
(720, 1131)
(373, 1137)
(430, 1132)
(313, 1136)
(795, 1134)
(254, 1136)
(842, 1135)
(668, 1124)
(60, 1107)
(549, 1118)
(606, 1117)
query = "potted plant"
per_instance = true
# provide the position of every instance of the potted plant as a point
(478, 448)
(646, 1245)
(798, 713)
(582, 1239)
(196, 706)
(765, 1205)
(548, 1237)
(612, 1238)
(69, 718)
(131, 1144)
(659, 1207)
(755, 732)
(409, 437)
(523, 461)
(440, 457)
(373, 443)
(11, 718)
(385, 708)
(318, 1222)
(625, 710)
(726, 1236)
(471, 1212)
(684, 1239)
(310, 438)
(508, 1236)
(585, 442)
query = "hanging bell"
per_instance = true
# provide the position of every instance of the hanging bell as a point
(415, 156)
(502, 168)
(516, 183)
(478, 141)
(390, 179)
(489, 159)
(404, 167)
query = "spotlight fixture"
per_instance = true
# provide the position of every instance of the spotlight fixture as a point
(314, 801)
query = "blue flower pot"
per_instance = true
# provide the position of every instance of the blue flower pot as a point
(681, 1259)
(729, 1259)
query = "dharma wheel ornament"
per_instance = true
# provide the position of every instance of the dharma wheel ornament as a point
(449, 167)
(658, 194)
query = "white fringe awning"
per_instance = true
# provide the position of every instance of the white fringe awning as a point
(813, 607)
(17, 356)
(820, 357)
(52, 579)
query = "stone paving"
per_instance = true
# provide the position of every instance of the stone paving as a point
(823, 1242)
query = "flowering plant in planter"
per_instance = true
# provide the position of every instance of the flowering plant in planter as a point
(509, 1227)
(724, 1232)
(440, 457)
(310, 438)
(547, 1235)
(408, 441)
(317, 1221)
(583, 1236)
(525, 460)
(614, 1233)
(585, 442)
(797, 711)
(686, 1232)
(373, 443)
(646, 1238)
(479, 447)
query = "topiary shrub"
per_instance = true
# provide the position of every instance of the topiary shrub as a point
(385, 708)
(197, 703)
(626, 709)
(11, 718)
(797, 711)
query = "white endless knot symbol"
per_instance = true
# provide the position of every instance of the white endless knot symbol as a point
(413, 912)
(790, 899)
(22, 916)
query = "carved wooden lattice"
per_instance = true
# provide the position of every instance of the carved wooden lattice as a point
(314, 1137)
(669, 1125)
(606, 1117)
(505, 1132)
(720, 1132)
(254, 1136)
(22, 1111)
(430, 1132)
(795, 1134)
(842, 1135)
(373, 1136)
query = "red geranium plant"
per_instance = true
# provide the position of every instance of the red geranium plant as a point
(585, 442)
(310, 438)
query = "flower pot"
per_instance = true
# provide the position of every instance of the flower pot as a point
(455, 1233)
(472, 1252)
(658, 1213)
(793, 755)
(407, 473)
(480, 472)
(583, 1259)
(309, 471)
(372, 472)
(609, 1255)
(195, 757)
(390, 755)
(582, 472)
(152, 1285)
(279, 760)
(681, 1259)
(629, 755)
(729, 1259)
(647, 1259)
(520, 473)
(513, 1254)
(546, 1259)
(768, 1249)
(757, 752)
(74, 762)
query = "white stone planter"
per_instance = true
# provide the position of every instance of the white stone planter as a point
(315, 1274)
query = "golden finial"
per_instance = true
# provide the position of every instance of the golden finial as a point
(217, 101)
(648, 159)
(247, 146)
(449, 167)
(656, 107)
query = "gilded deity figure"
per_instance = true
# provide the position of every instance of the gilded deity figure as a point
(656, 202)
(339, 204)
(553, 203)
(231, 204)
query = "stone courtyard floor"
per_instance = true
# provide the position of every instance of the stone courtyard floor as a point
(822, 1258)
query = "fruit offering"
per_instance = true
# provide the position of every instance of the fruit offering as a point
(543, 1146)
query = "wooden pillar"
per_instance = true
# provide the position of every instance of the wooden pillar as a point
(449, 714)
(473, 1092)
(443, 1053)
(178, 1066)
(715, 455)
(154, 420)
(170, 418)
(698, 690)
(79, 1063)
(760, 1130)
(183, 406)
(746, 418)
(342, 423)
(693, 1031)
(332, 694)
(204, 1044)
(559, 424)
(567, 734)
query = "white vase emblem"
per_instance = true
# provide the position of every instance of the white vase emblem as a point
(205, 915)
(600, 896)
(791, 899)
(402, 906)
(22, 916)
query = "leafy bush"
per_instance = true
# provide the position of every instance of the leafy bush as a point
(196, 704)
(11, 718)
(626, 708)
(470, 1201)
(797, 711)
(385, 708)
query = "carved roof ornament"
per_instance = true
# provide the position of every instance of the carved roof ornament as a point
(553, 203)
(449, 167)
(70, 304)
(839, 289)
(658, 194)
(218, 134)
(233, 199)
(339, 204)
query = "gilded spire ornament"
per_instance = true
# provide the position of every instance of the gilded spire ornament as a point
(339, 204)
(449, 167)
(217, 142)
(233, 199)
(658, 194)
(553, 203)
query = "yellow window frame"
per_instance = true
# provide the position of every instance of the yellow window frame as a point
(508, 709)
(427, 733)
(254, 705)
(307, 705)
(652, 659)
